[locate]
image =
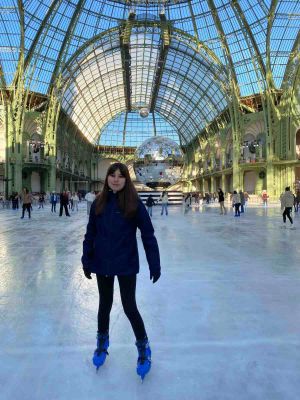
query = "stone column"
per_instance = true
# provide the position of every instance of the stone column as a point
(223, 182)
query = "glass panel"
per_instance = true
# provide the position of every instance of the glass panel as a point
(136, 130)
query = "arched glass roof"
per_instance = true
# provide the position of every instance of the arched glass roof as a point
(191, 91)
(132, 130)
(250, 38)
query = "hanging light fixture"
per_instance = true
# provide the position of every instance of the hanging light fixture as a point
(144, 112)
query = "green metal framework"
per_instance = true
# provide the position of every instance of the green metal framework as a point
(188, 61)
(53, 31)
(191, 82)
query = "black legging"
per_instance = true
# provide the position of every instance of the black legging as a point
(237, 208)
(127, 289)
(286, 213)
(65, 206)
(26, 206)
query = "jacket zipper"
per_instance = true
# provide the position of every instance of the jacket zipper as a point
(111, 214)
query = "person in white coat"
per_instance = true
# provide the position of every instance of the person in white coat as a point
(164, 202)
(236, 202)
(89, 197)
(75, 200)
(287, 202)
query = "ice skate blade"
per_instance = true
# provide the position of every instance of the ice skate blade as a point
(99, 361)
(142, 377)
(143, 374)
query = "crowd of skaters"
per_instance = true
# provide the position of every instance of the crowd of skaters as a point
(239, 201)
(67, 200)
(163, 199)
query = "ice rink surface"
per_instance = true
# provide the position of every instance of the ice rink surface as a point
(223, 320)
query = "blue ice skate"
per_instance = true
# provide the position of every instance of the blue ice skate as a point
(144, 359)
(101, 351)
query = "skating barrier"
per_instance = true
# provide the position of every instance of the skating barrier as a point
(174, 197)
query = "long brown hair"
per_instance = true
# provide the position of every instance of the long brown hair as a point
(127, 197)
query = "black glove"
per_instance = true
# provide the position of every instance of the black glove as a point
(87, 273)
(155, 276)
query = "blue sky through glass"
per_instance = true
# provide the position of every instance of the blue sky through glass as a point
(137, 130)
(207, 20)
(97, 16)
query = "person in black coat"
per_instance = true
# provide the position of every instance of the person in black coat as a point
(64, 201)
(110, 249)
(221, 202)
(150, 203)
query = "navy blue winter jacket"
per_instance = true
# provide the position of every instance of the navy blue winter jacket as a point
(110, 245)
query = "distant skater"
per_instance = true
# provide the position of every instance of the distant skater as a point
(53, 201)
(287, 202)
(150, 203)
(187, 203)
(41, 200)
(27, 198)
(64, 201)
(297, 200)
(75, 200)
(164, 202)
(223, 210)
(89, 197)
(246, 197)
(265, 197)
(236, 202)
(242, 198)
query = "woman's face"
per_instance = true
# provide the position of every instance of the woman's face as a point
(116, 181)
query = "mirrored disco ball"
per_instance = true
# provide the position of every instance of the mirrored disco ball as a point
(158, 162)
(144, 112)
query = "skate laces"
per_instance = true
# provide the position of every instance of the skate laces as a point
(142, 347)
(101, 339)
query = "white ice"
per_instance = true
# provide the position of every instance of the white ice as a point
(223, 320)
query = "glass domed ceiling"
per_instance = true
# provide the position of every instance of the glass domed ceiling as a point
(151, 2)
(250, 39)
(131, 130)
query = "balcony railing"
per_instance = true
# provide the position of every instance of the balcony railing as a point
(31, 160)
(251, 161)
(217, 167)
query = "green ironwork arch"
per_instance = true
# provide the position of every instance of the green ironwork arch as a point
(66, 42)
(271, 17)
(39, 32)
(180, 37)
(206, 58)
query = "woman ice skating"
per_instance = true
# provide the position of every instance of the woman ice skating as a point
(75, 200)
(223, 210)
(236, 202)
(110, 249)
(265, 197)
(150, 202)
(187, 202)
(164, 202)
(287, 201)
(27, 198)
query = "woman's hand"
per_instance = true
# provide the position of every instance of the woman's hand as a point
(87, 273)
(155, 276)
